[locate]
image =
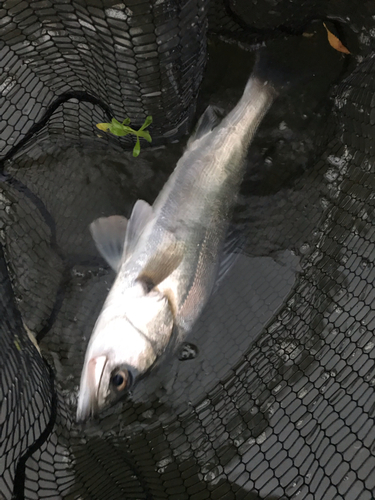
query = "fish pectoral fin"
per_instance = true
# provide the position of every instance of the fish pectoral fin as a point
(109, 236)
(207, 122)
(163, 262)
(142, 214)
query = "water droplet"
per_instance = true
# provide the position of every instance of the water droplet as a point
(277, 389)
(295, 485)
(302, 393)
(304, 248)
(148, 413)
(187, 351)
(340, 347)
(300, 423)
(365, 264)
(315, 401)
(211, 475)
(251, 441)
(316, 233)
(331, 175)
(237, 442)
(270, 412)
(268, 161)
(340, 294)
(7, 85)
(324, 203)
(291, 302)
(349, 332)
(344, 258)
(162, 464)
(203, 405)
(357, 445)
(368, 347)
(369, 375)
(261, 438)
(78, 273)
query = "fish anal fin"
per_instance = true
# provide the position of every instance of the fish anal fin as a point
(233, 245)
(109, 237)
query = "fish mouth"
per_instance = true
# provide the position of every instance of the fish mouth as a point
(89, 395)
(101, 363)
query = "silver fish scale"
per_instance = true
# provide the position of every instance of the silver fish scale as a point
(197, 200)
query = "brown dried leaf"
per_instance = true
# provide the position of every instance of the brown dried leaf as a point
(335, 42)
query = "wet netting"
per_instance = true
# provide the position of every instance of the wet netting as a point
(272, 396)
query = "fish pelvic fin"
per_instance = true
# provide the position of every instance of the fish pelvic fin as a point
(109, 236)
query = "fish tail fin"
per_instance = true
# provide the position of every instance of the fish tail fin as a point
(289, 64)
(273, 71)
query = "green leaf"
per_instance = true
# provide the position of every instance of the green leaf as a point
(147, 122)
(122, 129)
(137, 148)
(120, 133)
(129, 130)
(116, 128)
(103, 126)
(144, 135)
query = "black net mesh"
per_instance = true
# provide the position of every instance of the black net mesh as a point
(272, 396)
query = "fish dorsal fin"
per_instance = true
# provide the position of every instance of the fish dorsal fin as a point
(109, 236)
(142, 214)
(164, 261)
(207, 122)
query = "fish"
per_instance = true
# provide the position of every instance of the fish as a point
(166, 256)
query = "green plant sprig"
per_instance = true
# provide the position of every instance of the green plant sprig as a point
(122, 129)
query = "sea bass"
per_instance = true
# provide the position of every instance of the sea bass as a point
(166, 255)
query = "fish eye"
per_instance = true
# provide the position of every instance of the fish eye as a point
(119, 380)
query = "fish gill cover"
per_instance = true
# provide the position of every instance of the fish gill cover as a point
(273, 395)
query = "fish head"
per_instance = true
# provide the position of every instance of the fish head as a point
(124, 345)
